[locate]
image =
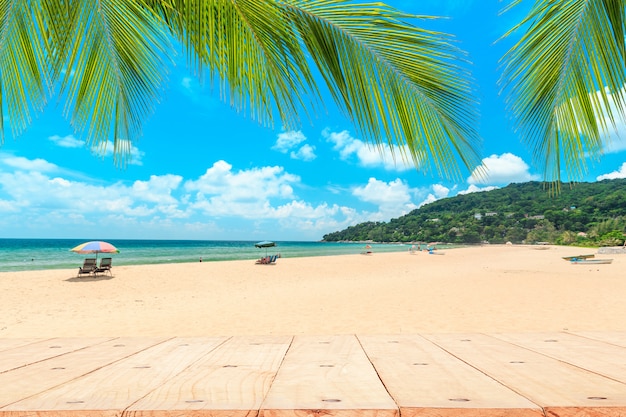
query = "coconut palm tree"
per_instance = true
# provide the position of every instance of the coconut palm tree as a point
(107, 61)
(565, 80)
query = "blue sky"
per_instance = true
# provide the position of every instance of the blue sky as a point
(203, 171)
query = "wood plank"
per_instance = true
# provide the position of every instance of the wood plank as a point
(616, 338)
(425, 381)
(595, 356)
(559, 388)
(111, 389)
(29, 380)
(44, 349)
(8, 344)
(231, 381)
(330, 376)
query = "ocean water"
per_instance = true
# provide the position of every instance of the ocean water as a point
(34, 254)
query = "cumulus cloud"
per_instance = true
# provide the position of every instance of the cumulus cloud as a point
(440, 191)
(220, 191)
(620, 173)
(33, 186)
(502, 169)
(474, 189)
(289, 142)
(433, 193)
(24, 164)
(68, 141)
(389, 158)
(124, 147)
(614, 139)
(392, 198)
(105, 149)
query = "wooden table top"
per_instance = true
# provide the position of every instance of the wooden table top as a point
(503, 374)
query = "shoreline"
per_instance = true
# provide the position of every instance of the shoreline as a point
(491, 288)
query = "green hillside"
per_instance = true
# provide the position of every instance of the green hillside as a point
(585, 214)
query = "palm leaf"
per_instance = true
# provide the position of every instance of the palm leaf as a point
(24, 83)
(399, 84)
(114, 60)
(395, 81)
(564, 78)
(250, 47)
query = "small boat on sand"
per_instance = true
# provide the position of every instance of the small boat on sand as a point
(571, 258)
(591, 261)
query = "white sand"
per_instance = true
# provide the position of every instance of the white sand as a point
(482, 289)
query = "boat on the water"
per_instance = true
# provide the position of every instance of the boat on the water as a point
(591, 261)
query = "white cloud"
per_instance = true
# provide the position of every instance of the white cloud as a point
(620, 173)
(614, 139)
(389, 158)
(124, 149)
(502, 169)
(393, 198)
(187, 83)
(247, 193)
(305, 153)
(31, 188)
(158, 189)
(105, 149)
(68, 141)
(440, 191)
(24, 164)
(290, 142)
(474, 189)
(434, 193)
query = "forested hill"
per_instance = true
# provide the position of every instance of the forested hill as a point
(591, 214)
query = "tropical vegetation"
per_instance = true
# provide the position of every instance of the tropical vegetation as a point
(106, 61)
(588, 214)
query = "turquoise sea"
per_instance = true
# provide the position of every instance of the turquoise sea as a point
(33, 254)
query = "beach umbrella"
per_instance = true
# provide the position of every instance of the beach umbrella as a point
(265, 244)
(95, 246)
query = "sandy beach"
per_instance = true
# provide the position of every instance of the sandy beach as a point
(480, 289)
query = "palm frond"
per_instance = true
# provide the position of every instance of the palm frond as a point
(252, 50)
(397, 82)
(114, 59)
(564, 78)
(24, 84)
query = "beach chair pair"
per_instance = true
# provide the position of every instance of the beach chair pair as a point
(90, 266)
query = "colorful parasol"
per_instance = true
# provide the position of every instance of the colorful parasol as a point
(95, 246)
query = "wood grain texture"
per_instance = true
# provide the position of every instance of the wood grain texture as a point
(327, 375)
(38, 377)
(111, 389)
(431, 375)
(230, 381)
(593, 355)
(23, 355)
(615, 338)
(424, 380)
(546, 381)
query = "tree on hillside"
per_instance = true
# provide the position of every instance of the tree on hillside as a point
(107, 61)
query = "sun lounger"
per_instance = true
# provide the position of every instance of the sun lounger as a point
(267, 260)
(89, 266)
(105, 266)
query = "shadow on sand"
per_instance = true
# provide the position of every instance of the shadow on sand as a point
(90, 278)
